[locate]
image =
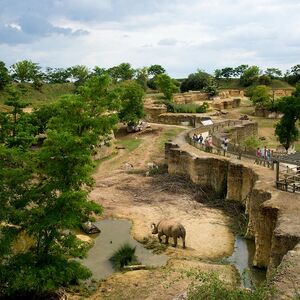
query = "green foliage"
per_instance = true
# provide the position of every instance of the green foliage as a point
(25, 71)
(260, 96)
(122, 72)
(293, 76)
(211, 89)
(264, 80)
(195, 82)
(166, 85)
(16, 129)
(286, 129)
(130, 95)
(57, 75)
(44, 194)
(187, 108)
(273, 73)
(251, 143)
(155, 70)
(208, 286)
(124, 256)
(4, 75)
(142, 76)
(79, 74)
(250, 76)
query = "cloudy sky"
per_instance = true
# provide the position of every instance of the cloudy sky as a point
(181, 35)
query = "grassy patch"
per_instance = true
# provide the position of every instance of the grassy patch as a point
(154, 245)
(208, 286)
(130, 143)
(168, 135)
(47, 94)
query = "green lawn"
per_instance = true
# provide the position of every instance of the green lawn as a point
(130, 143)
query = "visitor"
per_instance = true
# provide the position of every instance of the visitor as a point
(200, 139)
(225, 145)
(258, 153)
(195, 137)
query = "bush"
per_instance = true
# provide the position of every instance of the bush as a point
(125, 255)
(209, 287)
(187, 108)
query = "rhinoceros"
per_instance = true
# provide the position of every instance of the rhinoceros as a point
(169, 228)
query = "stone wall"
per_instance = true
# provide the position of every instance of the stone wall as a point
(190, 97)
(274, 222)
(227, 93)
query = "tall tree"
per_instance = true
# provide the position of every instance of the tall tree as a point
(79, 74)
(167, 85)
(286, 129)
(273, 73)
(122, 72)
(43, 194)
(25, 71)
(132, 105)
(250, 76)
(4, 75)
(196, 81)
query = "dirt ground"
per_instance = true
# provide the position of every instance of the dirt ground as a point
(126, 192)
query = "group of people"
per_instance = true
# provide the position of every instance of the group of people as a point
(264, 153)
(206, 142)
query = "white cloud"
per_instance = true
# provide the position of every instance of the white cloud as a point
(180, 35)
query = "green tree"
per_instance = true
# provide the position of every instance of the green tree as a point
(57, 75)
(155, 70)
(195, 82)
(79, 74)
(122, 72)
(250, 76)
(239, 70)
(132, 105)
(16, 127)
(227, 72)
(293, 76)
(142, 77)
(286, 129)
(260, 96)
(167, 85)
(4, 75)
(211, 89)
(44, 194)
(25, 71)
(273, 73)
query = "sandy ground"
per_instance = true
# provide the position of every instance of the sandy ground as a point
(146, 199)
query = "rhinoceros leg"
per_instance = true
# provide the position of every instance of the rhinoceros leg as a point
(183, 243)
(159, 237)
(175, 241)
(167, 240)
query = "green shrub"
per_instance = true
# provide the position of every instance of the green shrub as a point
(209, 287)
(125, 255)
(187, 108)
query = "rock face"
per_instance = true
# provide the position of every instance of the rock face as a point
(274, 221)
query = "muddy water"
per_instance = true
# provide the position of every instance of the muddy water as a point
(114, 233)
(242, 258)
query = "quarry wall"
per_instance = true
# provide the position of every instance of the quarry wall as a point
(274, 222)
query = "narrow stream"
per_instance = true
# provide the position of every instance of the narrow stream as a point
(114, 233)
(242, 258)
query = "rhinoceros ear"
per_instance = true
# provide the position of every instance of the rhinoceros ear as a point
(153, 225)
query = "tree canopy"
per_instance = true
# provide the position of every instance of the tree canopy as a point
(286, 129)
(44, 193)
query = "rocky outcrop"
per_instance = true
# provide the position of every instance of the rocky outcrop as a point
(274, 221)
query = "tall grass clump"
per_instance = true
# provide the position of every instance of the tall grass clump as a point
(124, 256)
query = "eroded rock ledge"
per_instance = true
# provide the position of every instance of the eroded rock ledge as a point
(274, 216)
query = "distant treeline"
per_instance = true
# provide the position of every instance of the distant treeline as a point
(27, 71)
